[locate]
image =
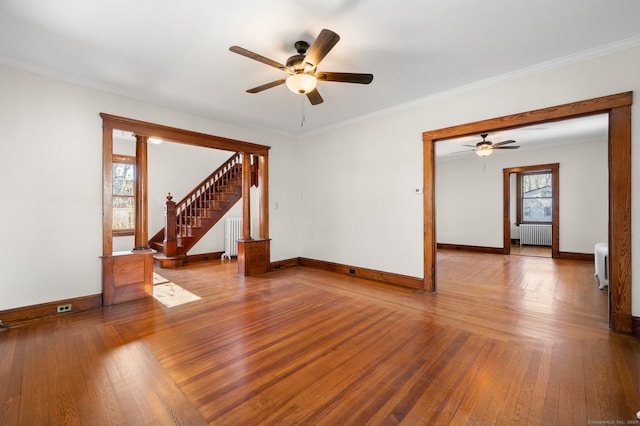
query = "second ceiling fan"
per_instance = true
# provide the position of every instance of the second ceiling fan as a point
(302, 68)
(485, 147)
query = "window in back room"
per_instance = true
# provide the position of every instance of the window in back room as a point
(535, 201)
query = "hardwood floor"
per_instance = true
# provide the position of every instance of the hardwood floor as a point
(526, 250)
(506, 340)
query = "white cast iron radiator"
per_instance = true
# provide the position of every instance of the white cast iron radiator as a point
(232, 233)
(535, 235)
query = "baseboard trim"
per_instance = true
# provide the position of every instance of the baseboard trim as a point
(499, 250)
(286, 263)
(462, 247)
(635, 326)
(19, 316)
(370, 274)
(576, 256)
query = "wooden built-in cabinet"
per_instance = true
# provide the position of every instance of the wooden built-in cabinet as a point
(254, 256)
(126, 276)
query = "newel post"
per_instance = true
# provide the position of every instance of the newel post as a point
(170, 242)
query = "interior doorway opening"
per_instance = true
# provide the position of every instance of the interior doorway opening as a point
(534, 219)
(618, 109)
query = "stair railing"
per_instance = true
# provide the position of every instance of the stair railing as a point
(202, 196)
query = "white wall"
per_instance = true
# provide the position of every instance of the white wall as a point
(51, 184)
(344, 195)
(469, 195)
(356, 201)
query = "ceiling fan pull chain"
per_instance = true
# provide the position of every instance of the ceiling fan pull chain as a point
(303, 117)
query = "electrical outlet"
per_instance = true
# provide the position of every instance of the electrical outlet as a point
(63, 308)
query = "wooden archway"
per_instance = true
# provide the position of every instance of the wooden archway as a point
(618, 108)
(135, 277)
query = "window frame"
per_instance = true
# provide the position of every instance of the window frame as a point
(120, 159)
(520, 196)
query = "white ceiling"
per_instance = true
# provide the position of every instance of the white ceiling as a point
(175, 53)
(572, 131)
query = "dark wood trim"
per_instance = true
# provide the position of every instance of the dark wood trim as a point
(141, 228)
(370, 274)
(588, 257)
(128, 159)
(181, 259)
(620, 218)
(477, 249)
(107, 191)
(554, 168)
(19, 316)
(179, 135)
(203, 257)
(286, 263)
(429, 226)
(263, 187)
(246, 196)
(636, 326)
(586, 107)
(618, 107)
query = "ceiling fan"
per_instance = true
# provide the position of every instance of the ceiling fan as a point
(485, 147)
(302, 68)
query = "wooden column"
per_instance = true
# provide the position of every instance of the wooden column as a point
(620, 315)
(246, 196)
(264, 196)
(141, 241)
(254, 255)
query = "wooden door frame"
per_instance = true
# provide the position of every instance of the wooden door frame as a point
(554, 168)
(172, 134)
(618, 108)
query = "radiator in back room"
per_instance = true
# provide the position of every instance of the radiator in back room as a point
(232, 233)
(535, 235)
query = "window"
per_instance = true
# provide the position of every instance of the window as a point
(123, 200)
(535, 202)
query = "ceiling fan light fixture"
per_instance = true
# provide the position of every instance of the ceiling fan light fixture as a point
(301, 83)
(484, 151)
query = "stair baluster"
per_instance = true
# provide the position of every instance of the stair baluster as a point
(200, 210)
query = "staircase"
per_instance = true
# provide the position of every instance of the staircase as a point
(187, 221)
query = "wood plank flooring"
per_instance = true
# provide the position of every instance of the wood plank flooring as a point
(526, 250)
(506, 340)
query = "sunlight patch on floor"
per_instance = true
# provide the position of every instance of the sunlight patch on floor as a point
(170, 294)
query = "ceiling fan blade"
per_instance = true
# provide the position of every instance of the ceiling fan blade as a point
(464, 150)
(504, 142)
(505, 147)
(252, 55)
(470, 146)
(345, 77)
(319, 49)
(314, 97)
(267, 86)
